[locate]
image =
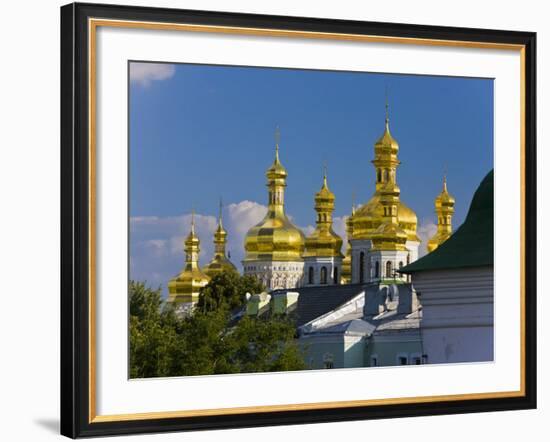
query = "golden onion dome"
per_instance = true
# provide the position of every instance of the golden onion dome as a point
(444, 198)
(389, 236)
(369, 217)
(277, 170)
(324, 195)
(386, 141)
(185, 287)
(275, 238)
(220, 262)
(444, 208)
(324, 241)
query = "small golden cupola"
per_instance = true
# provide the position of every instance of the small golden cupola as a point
(186, 286)
(346, 262)
(323, 251)
(275, 245)
(324, 241)
(444, 209)
(220, 262)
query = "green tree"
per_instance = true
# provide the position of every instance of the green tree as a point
(211, 341)
(153, 333)
(227, 290)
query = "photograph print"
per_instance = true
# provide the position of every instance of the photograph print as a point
(295, 219)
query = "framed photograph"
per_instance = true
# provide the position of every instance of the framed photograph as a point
(274, 220)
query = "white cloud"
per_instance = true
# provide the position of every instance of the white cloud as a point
(156, 243)
(144, 73)
(339, 226)
(425, 230)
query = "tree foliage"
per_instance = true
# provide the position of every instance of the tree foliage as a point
(227, 290)
(210, 341)
(153, 333)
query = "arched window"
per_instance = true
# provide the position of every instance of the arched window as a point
(377, 270)
(362, 267)
(388, 269)
(336, 275)
(323, 275)
(400, 264)
(379, 175)
(386, 175)
(310, 275)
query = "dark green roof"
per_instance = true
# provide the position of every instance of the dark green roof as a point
(472, 243)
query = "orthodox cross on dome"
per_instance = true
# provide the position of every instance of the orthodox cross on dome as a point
(277, 135)
(277, 140)
(387, 106)
(220, 212)
(193, 220)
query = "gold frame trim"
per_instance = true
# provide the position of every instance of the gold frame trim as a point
(93, 24)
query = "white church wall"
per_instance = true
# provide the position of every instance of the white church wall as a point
(317, 263)
(458, 312)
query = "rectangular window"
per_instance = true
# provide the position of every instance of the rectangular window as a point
(402, 360)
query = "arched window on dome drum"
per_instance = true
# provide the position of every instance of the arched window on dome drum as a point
(388, 269)
(379, 175)
(335, 275)
(362, 267)
(310, 275)
(386, 175)
(377, 270)
(323, 275)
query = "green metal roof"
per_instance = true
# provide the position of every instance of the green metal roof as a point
(472, 243)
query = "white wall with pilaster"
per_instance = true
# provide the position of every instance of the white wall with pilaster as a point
(458, 312)
(317, 263)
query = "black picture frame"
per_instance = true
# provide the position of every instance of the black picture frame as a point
(75, 195)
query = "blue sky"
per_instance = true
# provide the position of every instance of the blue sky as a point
(198, 133)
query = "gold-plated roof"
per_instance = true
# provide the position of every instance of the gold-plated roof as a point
(275, 238)
(345, 278)
(386, 141)
(185, 287)
(444, 209)
(368, 218)
(386, 202)
(220, 262)
(324, 241)
(444, 198)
